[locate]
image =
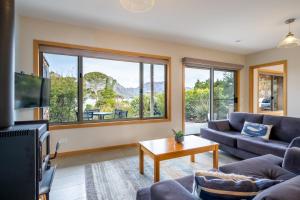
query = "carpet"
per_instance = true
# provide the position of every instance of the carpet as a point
(120, 179)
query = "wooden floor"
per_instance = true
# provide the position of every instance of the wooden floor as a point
(69, 181)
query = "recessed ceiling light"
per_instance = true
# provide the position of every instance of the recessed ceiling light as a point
(137, 5)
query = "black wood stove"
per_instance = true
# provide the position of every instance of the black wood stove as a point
(25, 168)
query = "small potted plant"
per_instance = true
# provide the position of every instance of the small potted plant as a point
(179, 136)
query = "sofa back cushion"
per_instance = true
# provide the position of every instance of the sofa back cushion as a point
(287, 190)
(291, 160)
(284, 128)
(237, 119)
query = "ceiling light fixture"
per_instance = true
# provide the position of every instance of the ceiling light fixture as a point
(137, 5)
(289, 40)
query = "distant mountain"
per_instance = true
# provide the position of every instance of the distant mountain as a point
(98, 81)
(158, 87)
(126, 92)
(132, 92)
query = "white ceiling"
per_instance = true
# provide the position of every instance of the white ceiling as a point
(217, 24)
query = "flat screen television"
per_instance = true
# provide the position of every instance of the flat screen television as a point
(31, 91)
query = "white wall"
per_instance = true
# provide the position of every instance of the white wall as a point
(293, 81)
(278, 68)
(76, 139)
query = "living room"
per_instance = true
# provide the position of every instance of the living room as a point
(149, 94)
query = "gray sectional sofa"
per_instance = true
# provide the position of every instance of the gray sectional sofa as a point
(276, 159)
(228, 134)
(285, 169)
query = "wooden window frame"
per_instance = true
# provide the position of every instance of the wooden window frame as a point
(269, 73)
(212, 69)
(94, 50)
(251, 83)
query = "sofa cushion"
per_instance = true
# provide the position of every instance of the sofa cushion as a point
(291, 160)
(143, 194)
(219, 125)
(261, 146)
(170, 190)
(267, 166)
(237, 152)
(237, 119)
(186, 182)
(217, 185)
(284, 128)
(288, 190)
(227, 138)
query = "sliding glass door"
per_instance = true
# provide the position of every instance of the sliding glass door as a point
(210, 94)
(223, 94)
(197, 99)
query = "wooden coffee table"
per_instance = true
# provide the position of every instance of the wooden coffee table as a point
(168, 148)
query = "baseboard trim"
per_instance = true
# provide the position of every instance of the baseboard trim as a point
(93, 150)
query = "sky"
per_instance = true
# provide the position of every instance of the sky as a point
(194, 74)
(126, 73)
(64, 65)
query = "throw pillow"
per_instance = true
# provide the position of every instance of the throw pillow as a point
(220, 186)
(257, 130)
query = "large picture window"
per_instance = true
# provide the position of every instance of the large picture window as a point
(99, 86)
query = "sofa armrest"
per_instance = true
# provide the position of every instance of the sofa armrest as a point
(291, 160)
(295, 142)
(219, 125)
(170, 190)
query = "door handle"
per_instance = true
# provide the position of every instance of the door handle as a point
(236, 100)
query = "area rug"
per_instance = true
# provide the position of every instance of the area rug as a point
(120, 179)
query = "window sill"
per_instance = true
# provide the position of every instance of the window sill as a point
(99, 124)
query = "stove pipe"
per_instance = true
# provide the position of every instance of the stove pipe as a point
(7, 15)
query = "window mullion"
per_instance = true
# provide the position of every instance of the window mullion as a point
(80, 90)
(235, 91)
(166, 92)
(141, 90)
(211, 89)
(41, 74)
(151, 90)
